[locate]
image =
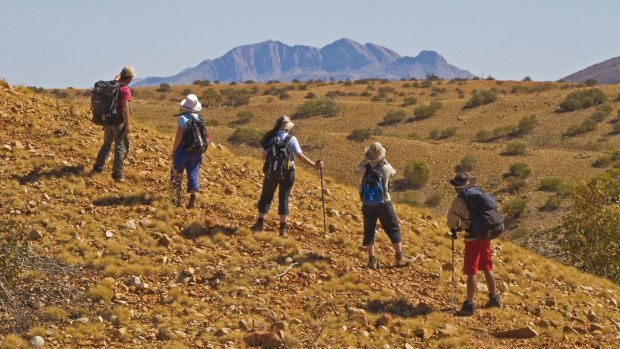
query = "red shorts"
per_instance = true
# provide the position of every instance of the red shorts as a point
(477, 256)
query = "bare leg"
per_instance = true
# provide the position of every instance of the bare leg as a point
(282, 218)
(472, 283)
(490, 279)
(370, 249)
(398, 247)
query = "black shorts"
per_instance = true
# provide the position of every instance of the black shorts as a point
(386, 215)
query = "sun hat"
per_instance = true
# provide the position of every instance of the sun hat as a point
(462, 180)
(191, 103)
(376, 152)
(127, 72)
(285, 123)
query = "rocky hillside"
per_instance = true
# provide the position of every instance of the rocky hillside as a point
(606, 72)
(343, 59)
(116, 265)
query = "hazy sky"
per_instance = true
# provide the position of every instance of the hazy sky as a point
(60, 43)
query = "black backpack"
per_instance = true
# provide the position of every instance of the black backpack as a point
(486, 221)
(278, 163)
(372, 189)
(104, 103)
(195, 136)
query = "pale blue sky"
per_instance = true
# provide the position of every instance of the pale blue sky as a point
(60, 43)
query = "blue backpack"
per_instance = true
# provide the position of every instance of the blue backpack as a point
(372, 188)
(486, 221)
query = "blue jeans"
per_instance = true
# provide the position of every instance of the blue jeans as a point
(386, 215)
(269, 190)
(189, 162)
(117, 135)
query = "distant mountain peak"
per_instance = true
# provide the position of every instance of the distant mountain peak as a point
(342, 59)
(606, 72)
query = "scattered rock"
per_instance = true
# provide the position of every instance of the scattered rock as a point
(109, 234)
(182, 278)
(243, 325)
(134, 281)
(262, 339)
(407, 346)
(446, 266)
(36, 342)
(279, 326)
(333, 228)
(82, 320)
(165, 334)
(164, 241)
(595, 327)
(359, 318)
(446, 330)
(423, 333)
(518, 333)
(222, 331)
(384, 320)
(35, 235)
(569, 330)
(6, 147)
(423, 308)
(129, 225)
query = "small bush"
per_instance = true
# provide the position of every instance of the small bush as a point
(515, 148)
(520, 170)
(484, 136)
(246, 135)
(527, 78)
(315, 141)
(426, 111)
(164, 87)
(552, 203)
(394, 116)
(514, 207)
(527, 124)
(310, 95)
(416, 173)
(468, 164)
(409, 101)
(211, 98)
(549, 184)
(236, 97)
(362, 134)
(587, 125)
(433, 200)
(410, 198)
(100, 292)
(185, 92)
(442, 134)
(616, 129)
(319, 106)
(414, 136)
(590, 82)
(565, 189)
(202, 82)
(13, 244)
(480, 98)
(515, 184)
(583, 99)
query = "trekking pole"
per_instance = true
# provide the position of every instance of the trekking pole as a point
(323, 199)
(452, 296)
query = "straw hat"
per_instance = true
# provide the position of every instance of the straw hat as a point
(191, 103)
(127, 72)
(285, 123)
(376, 152)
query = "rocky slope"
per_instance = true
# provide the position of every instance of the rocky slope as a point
(342, 59)
(606, 72)
(142, 273)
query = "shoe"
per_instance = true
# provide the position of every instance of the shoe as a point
(119, 179)
(95, 171)
(258, 226)
(373, 263)
(402, 261)
(282, 230)
(192, 201)
(494, 301)
(468, 309)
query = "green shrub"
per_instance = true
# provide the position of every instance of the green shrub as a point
(515, 184)
(211, 98)
(243, 117)
(315, 141)
(480, 98)
(310, 95)
(185, 92)
(410, 198)
(616, 128)
(484, 136)
(515, 148)
(13, 245)
(164, 87)
(527, 124)
(591, 233)
(549, 184)
(552, 203)
(202, 82)
(587, 125)
(236, 97)
(433, 200)
(520, 170)
(426, 111)
(416, 173)
(590, 82)
(442, 134)
(414, 136)
(394, 116)
(527, 78)
(320, 106)
(246, 135)
(583, 99)
(514, 207)
(504, 131)
(362, 134)
(565, 189)
(468, 164)
(409, 101)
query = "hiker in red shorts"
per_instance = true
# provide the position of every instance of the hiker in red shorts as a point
(474, 212)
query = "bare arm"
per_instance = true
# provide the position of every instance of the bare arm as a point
(177, 139)
(305, 160)
(125, 112)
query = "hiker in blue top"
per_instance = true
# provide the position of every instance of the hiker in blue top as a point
(184, 158)
(279, 151)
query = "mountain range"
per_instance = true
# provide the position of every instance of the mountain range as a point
(606, 72)
(340, 60)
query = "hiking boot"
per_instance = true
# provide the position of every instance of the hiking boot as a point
(258, 226)
(120, 179)
(192, 201)
(373, 263)
(494, 301)
(95, 171)
(282, 230)
(468, 309)
(402, 261)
